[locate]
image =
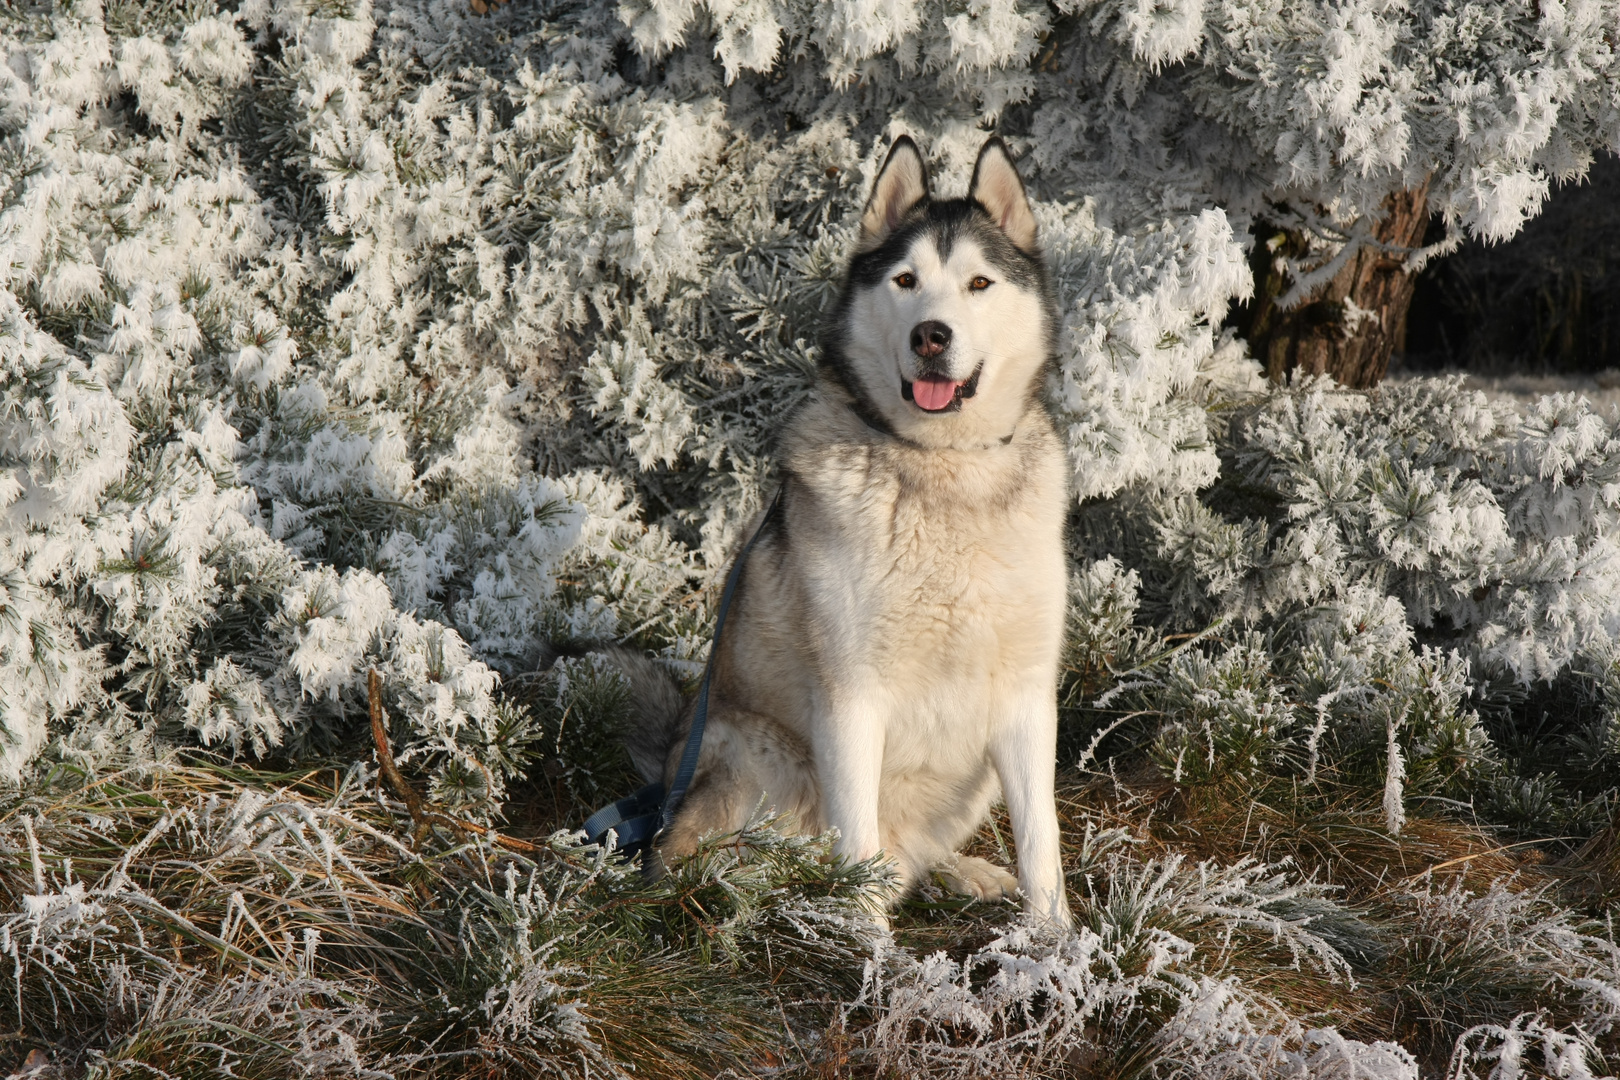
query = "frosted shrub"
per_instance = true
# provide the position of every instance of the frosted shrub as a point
(1362, 680)
(1229, 713)
(583, 705)
(201, 498)
(67, 439)
(1337, 694)
(1492, 523)
(1405, 553)
(1102, 639)
(1141, 359)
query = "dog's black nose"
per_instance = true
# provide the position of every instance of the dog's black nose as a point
(929, 339)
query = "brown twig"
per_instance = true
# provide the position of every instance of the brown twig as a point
(1481, 854)
(385, 757)
(424, 817)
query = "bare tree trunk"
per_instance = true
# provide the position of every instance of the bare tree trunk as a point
(1348, 327)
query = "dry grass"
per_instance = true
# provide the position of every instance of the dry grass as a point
(173, 918)
(296, 923)
(1418, 979)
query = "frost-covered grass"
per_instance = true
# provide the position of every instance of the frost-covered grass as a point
(192, 918)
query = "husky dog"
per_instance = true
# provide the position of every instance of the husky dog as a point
(890, 661)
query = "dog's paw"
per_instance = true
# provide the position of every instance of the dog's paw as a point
(977, 878)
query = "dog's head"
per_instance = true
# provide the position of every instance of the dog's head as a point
(947, 322)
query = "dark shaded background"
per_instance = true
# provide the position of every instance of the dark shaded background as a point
(1546, 302)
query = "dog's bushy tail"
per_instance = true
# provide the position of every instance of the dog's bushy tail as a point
(657, 701)
(655, 698)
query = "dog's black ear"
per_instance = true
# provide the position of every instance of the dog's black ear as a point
(902, 184)
(999, 189)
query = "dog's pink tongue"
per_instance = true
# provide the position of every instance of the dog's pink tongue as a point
(933, 394)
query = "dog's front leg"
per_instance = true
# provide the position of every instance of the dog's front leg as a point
(1023, 748)
(848, 751)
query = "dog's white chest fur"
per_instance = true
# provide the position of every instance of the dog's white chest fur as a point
(937, 576)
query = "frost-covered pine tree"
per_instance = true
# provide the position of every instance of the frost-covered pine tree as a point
(1329, 133)
(352, 336)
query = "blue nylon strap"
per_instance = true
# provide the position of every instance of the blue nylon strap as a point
(700, 715)
(633, 819)
(636, 819)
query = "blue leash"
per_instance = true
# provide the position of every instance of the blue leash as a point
(636, 820)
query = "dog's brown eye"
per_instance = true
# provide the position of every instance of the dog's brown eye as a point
(979, 284)
(907, 280)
